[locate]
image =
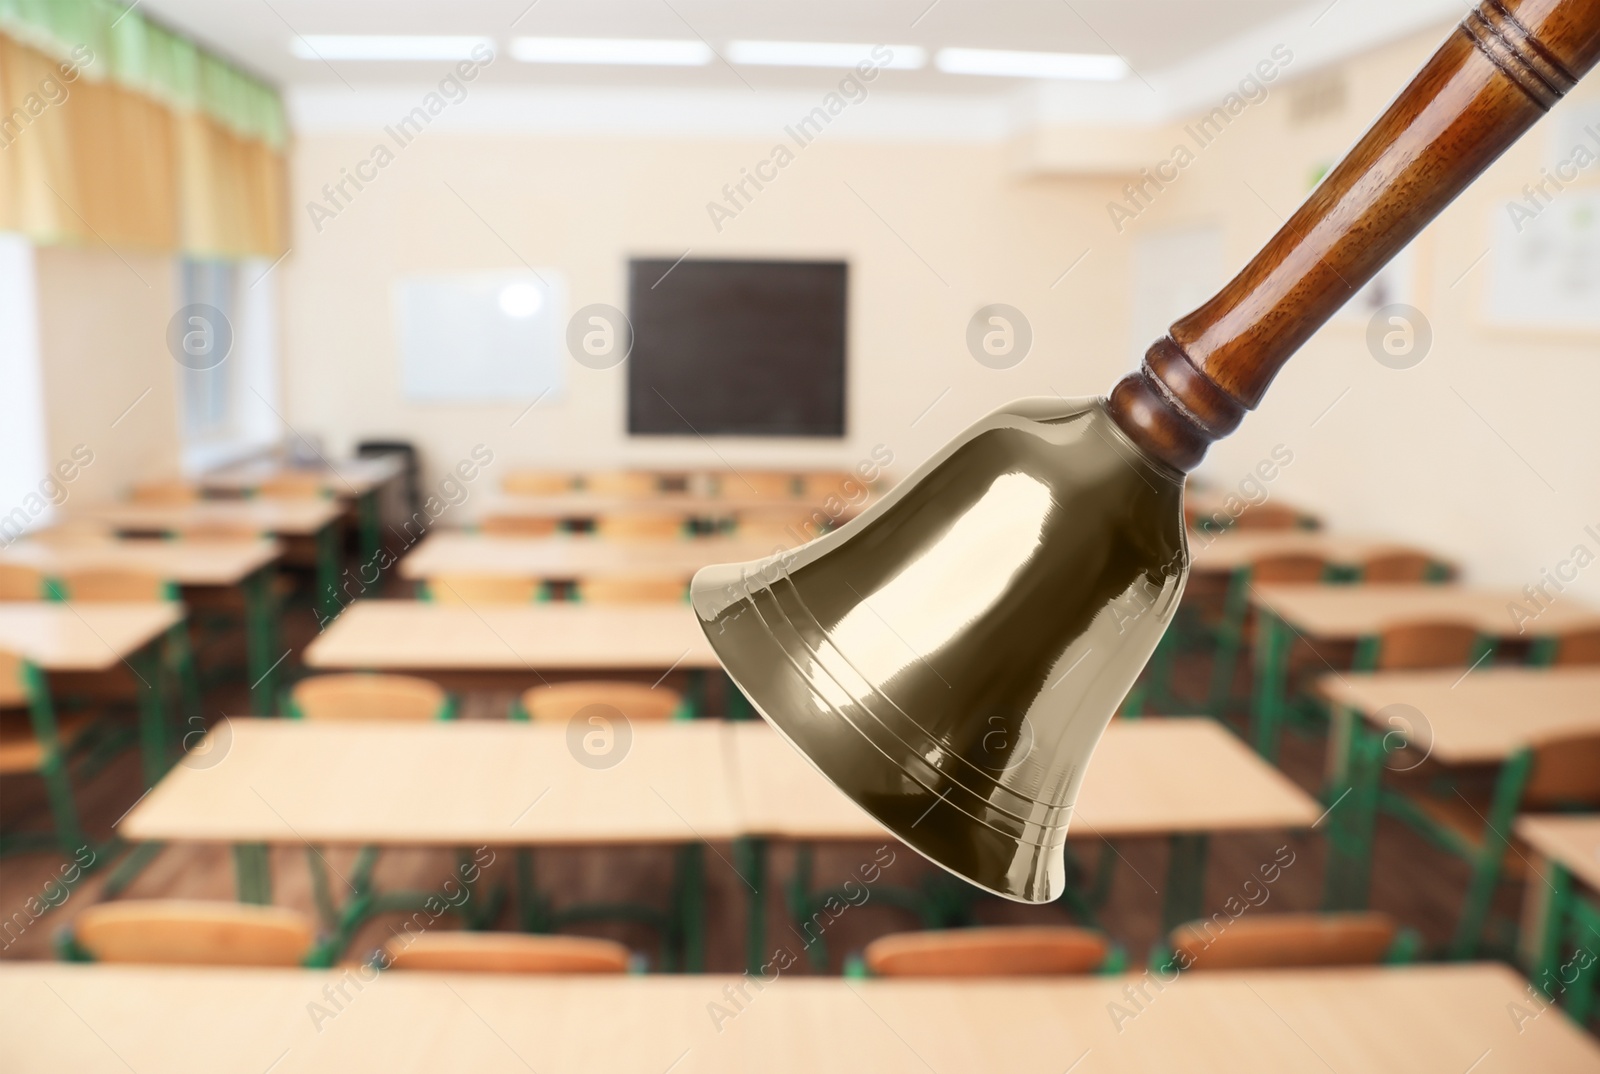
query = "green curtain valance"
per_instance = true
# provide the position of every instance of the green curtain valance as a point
(146, 57)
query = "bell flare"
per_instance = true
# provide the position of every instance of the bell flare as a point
(950, 657)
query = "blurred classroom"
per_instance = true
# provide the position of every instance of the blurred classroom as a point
(376, 377)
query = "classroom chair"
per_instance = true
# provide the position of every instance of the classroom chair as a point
(537, 483)
(295, 486)
(33, 741)
(219, 531)
(171, 491)
(1013, 951)
(1270, 516)
(1391, 567)
(762, 483)
(482, 589)
(1573, 649)
(560, 702)
(504, 952)
(1420, 646)
(625, 483)
(518, 526)
(633, 589)
(641, 526)
(1235, 631)
(359, 697)
(1557, 773)
(1281, 941)
(183, 932)
(21, 583)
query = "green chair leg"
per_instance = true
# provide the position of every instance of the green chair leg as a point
(53, 762)
(252, 864)
(1229, 636)
(1272, 677)
(1186, 874)
(1487, 864)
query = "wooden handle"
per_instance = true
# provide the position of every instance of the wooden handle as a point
(1502, 69)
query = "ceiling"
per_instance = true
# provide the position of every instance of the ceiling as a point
(1149, 34)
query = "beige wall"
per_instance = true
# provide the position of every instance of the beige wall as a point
(585, 207)
(102, 337)
(1403, 453)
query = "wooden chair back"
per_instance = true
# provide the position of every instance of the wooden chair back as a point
(112, 585)
(1032, 951)
(192, 933)
(627, 483)
(518, 526)
(560, 702)
(1565, 771)
(764, 483)
(1397, 567)
(220, 531)
(21, 583)
(1269, 941)
(1268, 516)
(289, 485)
(537, 483)
(355, 697)
(482, 589)
(1422, 645)
(173, 491)
(14, 693)
(504, 952)
(633, 589)
(1291, 567)
(1578, 647)
(641, 526)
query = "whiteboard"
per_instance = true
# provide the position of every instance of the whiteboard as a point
(482, 337)
(1545, 271)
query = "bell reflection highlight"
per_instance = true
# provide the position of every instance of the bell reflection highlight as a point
(949, 658)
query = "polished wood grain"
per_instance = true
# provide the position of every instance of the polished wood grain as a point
(209, 563)
(88, 637)
(1147, 777)
(1502, 69)
(1452, 1018)
(1349, 612)
(412, 635)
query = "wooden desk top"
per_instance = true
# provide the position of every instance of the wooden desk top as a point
(1481, 717)
(415, 635)
(207, 563)
(343, 478)
(1574, 841)
(200, 1020)
(82, 637)
(1147, 777)
(572, 556)
(1202, 502)
(468, 783)
(286, 518)
(1232, 549)
(1348, 612)
(591, 505)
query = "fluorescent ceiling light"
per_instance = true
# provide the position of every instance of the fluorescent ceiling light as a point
(645, 52)
(823, 54)
(385, 47)
(999, 62)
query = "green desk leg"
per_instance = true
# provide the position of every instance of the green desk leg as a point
(533, 912)
(1352, 820)
(252, 867)
(1581, 993)
(1272, 676)
(367, 514)
(1186, 879)
(691, 907)
(750, 859)
(53, 763)
(149, 666)
(261, 639)
(1230, 632)
(1544, 920)
(128, 869)
(327, 600)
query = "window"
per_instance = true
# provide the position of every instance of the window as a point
(206, 342)
(224, 339)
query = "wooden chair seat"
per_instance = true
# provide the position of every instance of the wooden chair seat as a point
(21, 751)
(518, 526)
(356, 696)
(537, 483)
(482, 589)
(21, 583)
(502, 952)
(988, 952)
(1269, 941)
(633, 589)
(560, 702)
(193, 933)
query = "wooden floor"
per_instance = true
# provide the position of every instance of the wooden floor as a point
(1417, 884)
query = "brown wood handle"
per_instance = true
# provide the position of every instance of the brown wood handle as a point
(1506, 64)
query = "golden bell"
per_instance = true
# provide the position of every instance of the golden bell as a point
(950, 658)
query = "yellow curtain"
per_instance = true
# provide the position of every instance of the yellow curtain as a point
(89, 162)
